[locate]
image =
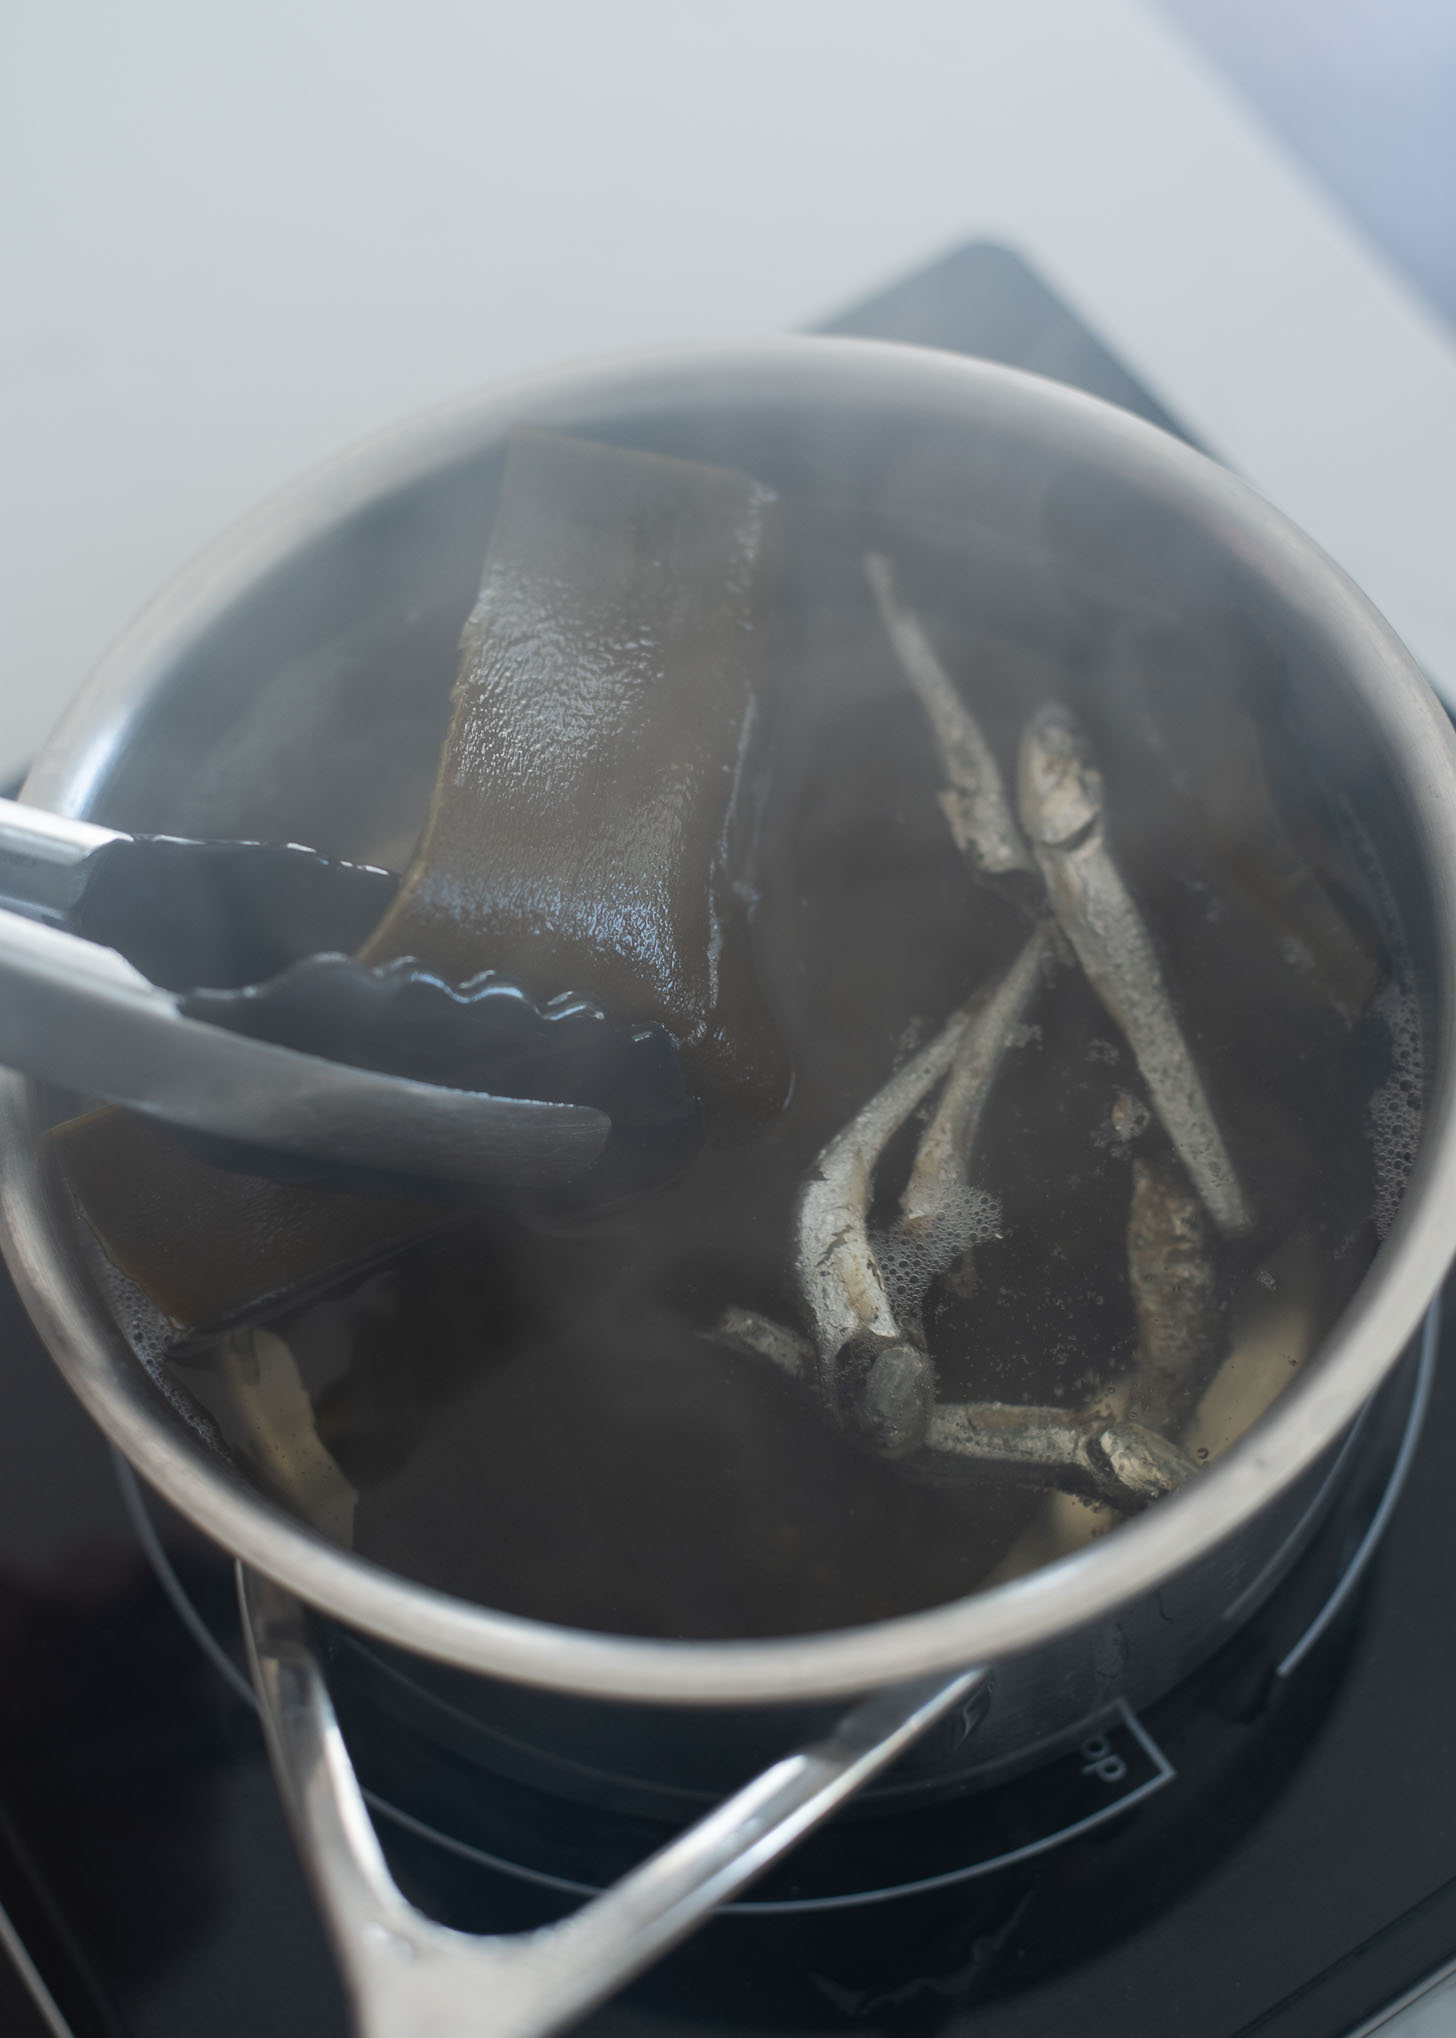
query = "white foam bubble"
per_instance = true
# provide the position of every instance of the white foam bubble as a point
(1393, 1115)
(911, 1258)
(149, 1334)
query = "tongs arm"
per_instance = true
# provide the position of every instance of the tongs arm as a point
(79, 1015)
(85, 910)
(187, 912)
(46, 861)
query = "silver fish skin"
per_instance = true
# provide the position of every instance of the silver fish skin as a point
(838, 1274)
(1123, 1463)
(975, 800)
(747, 1330)
(1060, 795)
(940, 1174)
(1174, 1290)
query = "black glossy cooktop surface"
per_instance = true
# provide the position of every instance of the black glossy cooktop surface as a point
(1271, 1849)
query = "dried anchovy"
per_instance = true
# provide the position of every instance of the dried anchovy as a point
(870, 1369)
(975, 800)
(838, 1273)
(1125, 1463)
(942, 1160)
(1060, 792)
(747, 1330)
(1174, 1290)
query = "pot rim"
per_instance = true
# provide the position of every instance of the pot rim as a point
(1011, 1618)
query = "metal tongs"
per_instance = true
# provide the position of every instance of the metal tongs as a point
(103, 936)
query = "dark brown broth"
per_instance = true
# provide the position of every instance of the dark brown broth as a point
(534, 1415)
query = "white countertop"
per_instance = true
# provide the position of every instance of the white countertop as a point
(237, 239)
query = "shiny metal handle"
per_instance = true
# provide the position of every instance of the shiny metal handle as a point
(37, 833)
(44, 860)
(409, 1977)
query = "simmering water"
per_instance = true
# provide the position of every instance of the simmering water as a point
(541, 1413)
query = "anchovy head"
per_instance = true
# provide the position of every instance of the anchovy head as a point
(1059, 788)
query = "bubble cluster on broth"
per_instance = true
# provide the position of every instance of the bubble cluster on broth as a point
(1104, 1080)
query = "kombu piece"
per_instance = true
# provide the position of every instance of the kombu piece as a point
(589, 830)
(1281, 875)
(209, 1248)
(588, 822)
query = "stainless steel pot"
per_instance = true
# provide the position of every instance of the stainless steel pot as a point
(251, 699)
